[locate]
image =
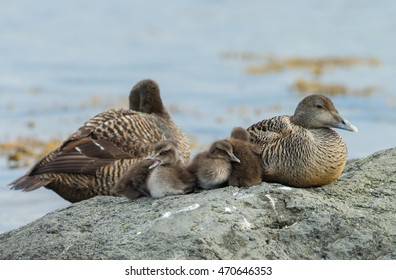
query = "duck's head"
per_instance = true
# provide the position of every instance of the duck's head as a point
(165, 152)
(240, 133)
(318, 111)
(222, 149)
(145, 97)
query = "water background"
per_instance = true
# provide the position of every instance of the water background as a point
(61, 62)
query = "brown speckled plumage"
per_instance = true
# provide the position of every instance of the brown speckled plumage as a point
(302, 150)
(91, 160)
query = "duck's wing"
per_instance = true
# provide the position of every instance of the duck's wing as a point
(85, 158)
(127, 130)
(109, 136)
(270, 129)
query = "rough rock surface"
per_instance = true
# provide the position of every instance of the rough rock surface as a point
(353, 218)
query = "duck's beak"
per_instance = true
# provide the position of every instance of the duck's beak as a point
(155, 163)
(344, 124)
(150, 157)
(234, 158)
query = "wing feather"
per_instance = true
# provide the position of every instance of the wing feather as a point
(109, 136)
(269, 130)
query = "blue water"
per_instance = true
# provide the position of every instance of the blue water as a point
(57, 56)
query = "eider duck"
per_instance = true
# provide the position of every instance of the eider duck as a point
(212, 168)
(92, 159)
(303, 150)
(160, 175)
(248, 172)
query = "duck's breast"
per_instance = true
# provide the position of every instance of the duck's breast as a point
(305, 158)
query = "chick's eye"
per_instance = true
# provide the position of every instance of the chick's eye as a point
(164, 152)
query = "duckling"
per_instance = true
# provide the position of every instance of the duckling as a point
(133, 183)
(212, 168)
(248, 171)
(160, 175)
(168, 176)
(303, 150)
(93, 158)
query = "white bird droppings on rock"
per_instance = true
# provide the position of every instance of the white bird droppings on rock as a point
(185, 209)
(271, 200)
(166, 215)
(245, 225)
(189, 208)
(285, 188)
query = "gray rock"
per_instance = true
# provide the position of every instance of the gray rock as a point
(353, 218)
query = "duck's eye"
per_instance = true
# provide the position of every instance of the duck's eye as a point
(164, 152)
(319, 106)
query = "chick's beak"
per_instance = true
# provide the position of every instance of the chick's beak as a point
(155, 164)
(234, 158)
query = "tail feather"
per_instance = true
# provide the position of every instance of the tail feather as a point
(29, 183)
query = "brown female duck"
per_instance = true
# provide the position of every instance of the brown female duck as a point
(92, 159)
(302, 150)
